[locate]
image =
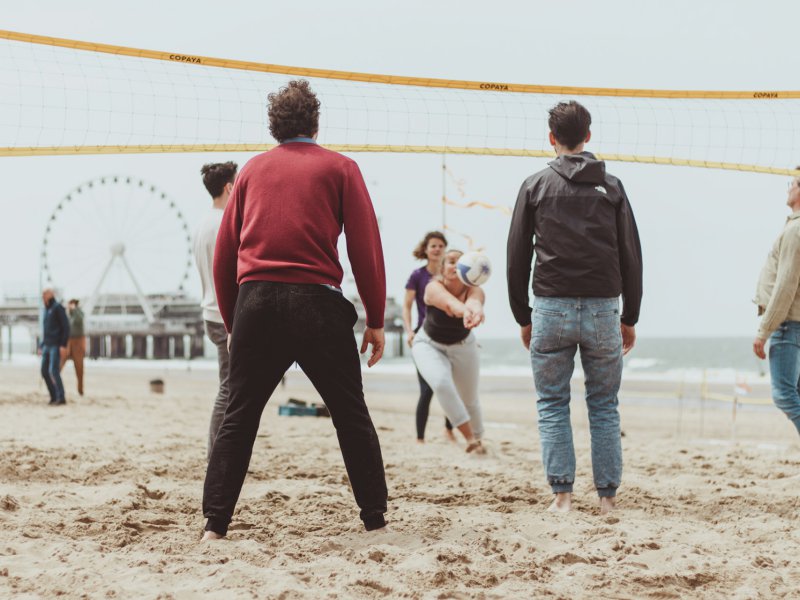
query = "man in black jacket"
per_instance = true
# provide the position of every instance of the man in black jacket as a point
(55, 333)
(587, 254)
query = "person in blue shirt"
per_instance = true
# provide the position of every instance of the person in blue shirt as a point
(55, 334)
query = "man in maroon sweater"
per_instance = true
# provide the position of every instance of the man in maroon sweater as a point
(277, 278)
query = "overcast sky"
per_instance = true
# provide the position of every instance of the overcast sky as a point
(704, 233)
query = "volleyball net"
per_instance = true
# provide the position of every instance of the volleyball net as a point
(67, 97)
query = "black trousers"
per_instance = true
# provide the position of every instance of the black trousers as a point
(275, 325)
(424, 407)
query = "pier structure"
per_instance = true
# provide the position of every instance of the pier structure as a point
(173, 329)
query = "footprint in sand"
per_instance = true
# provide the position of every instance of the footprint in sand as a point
(331, 546)
(152, 494)
(569, 558)
(9, 503)
(149, 525)
(377, 555)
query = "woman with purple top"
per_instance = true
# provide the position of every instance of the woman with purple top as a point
(430, 249)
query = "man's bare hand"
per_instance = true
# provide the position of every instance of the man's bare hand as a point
(525, 334)
(758, 348)
(229, 343)
(628, 337)
(377, 339)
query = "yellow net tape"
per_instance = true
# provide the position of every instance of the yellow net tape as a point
(489, 86)
(683, 141)
(376, 148)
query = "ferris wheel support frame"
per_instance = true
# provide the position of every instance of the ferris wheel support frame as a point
(118, 252)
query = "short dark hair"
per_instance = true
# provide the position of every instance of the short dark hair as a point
(420, 251)
(569, 122)
(217, 175)
(293, 110)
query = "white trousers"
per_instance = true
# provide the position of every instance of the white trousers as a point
(452, 372)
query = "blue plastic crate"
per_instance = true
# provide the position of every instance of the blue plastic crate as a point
(292, 410)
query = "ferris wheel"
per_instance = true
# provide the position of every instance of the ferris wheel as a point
(114, 241)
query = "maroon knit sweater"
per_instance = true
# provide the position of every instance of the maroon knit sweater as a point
(282, 222)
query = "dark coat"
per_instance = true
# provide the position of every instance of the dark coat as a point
(55, 325)
(586, 240)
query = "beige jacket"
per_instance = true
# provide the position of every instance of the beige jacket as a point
(778, 291)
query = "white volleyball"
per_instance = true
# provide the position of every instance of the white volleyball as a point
(474, 268)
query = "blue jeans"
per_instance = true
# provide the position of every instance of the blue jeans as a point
(51, 372)
(784, 368)
(561, 326)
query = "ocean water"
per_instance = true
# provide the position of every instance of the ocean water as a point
(665, 357)
(658, 358)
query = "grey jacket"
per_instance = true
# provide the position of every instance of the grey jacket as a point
(586, 240)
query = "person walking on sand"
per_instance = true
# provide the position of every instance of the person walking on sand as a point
(76, 344)
(778, 300)
(277, 277)
(218, 179)
(587, 254)
(55, 334)
(446, 352)
(430, 249)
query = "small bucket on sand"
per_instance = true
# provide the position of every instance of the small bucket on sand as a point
(157, 386)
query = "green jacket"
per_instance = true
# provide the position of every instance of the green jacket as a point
(76, 323)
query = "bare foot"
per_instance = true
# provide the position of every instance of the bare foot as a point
(476, 447)
(562, 503)
(449, 435)
(607, 505)
(211, 535)
(420, 441)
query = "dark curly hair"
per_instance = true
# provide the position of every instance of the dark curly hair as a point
(569, 122)
(293, 110)
(421, 248)
(217, 175)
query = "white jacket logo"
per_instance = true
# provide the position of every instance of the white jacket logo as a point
(600, 189)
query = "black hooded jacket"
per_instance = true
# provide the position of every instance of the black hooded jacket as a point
(586, 240)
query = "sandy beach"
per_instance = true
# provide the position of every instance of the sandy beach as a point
(101, 499)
